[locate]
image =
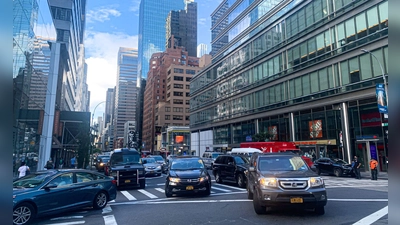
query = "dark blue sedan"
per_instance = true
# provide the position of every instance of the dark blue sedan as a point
(55, 191)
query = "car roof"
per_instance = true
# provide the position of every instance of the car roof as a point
(277, 154)
(187, 157)
(125, 150)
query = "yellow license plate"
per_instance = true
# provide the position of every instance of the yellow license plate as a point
(296, 200)
(127, 181)
(189, 188)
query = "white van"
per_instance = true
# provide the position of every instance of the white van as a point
(245, 151)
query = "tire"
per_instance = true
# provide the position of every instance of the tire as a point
(100, 200)
(318, 171)
(258, 208)
(240, 180)
(24, 213)
(337, 172)
(142, 184)
(249, 193)
(218, 177)
(168, 194)
(208, 190)
(319, 210)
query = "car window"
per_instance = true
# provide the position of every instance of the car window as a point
(215, 155)
(281, 164)
(84, 177)
(30, 181)
(149, 160)
(124, 159)
(241, 160)
(184, 164)
(229, 160)
(62, 180)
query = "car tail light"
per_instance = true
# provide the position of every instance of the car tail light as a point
(114, 181)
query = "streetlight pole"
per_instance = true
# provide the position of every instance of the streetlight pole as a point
(90, 147)
(383, 75)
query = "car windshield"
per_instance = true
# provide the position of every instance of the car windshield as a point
(187, 164)
(340, 161)
(30, 181)
(158, 158)
(105, 159)
(241, 160)
(124, 159)
(282, 163)
(148, 160)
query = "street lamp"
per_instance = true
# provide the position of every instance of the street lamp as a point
(383, 75)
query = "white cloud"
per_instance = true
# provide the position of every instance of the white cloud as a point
(202, 21)
(101, 14)
(45, 30)
(134, 6)
(101, 57)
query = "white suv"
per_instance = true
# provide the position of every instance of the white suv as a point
(209, 158)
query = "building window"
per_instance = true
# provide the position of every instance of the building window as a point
(180, 86)
(178, 70)
(187, 94)
(178, 101)
(167, 109)
(61, 13)
(178, 109)
(177, 117)
(177, 93)
(167, 117)
(188, 79)
(179, 78)
(190, 71)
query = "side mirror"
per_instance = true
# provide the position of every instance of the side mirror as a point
(50, 186)
(251, 169)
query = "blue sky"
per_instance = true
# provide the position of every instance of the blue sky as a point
(110, 25)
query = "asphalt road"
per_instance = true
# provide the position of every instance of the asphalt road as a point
(350, 201)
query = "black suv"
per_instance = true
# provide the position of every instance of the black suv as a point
(335, 167)
(187, 175)
(284, 180)
(230, 168)
(125, 167)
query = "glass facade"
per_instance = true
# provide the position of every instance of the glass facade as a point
(152, 18)
(302, 53)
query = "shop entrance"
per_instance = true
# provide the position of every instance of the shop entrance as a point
(371, 148)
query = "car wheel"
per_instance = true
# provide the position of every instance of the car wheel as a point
(240, 180)
(142, 184)
(23, 214)
(337, 172)
(208, 190)
(258, 208)
(100, 200)
(318, 171)
(218, 177)
(168, 194)
(249, 193)
(320, 210)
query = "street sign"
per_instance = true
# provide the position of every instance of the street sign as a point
(385, 124)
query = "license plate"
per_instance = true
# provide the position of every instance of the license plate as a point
(127, 181)
(296, 200)
(189, 188)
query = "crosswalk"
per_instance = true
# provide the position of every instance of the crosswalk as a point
(348, 182)
(158, 192)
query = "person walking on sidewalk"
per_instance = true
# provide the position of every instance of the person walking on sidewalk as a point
(356, 167)
(373, 164)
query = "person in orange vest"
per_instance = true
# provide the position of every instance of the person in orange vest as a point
(373, 164)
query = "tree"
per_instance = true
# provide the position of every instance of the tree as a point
(262, 136)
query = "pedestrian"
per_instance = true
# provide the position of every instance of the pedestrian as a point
(61, 163)
(373, 165)
(23, 170)
(73, 162)
(49, 164)
(356, 168)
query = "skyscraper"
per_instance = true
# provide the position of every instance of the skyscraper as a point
(201, 50)
(126, 93)
(108, 114)
(182, 25)
(152, 18)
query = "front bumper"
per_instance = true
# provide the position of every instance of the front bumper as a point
(186, 188)
(310, 198)
(152, 171)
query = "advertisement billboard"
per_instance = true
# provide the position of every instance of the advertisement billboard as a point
(381, 98)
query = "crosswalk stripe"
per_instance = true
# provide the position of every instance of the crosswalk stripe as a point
(128, 196)
(220, 189)
(212, 192)
(236, 188)
(109, 220)
(160, 190)
(150, 195)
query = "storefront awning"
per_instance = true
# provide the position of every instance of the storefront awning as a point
(317, 142)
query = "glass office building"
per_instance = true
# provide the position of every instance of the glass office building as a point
(152, 17)
(296, 70)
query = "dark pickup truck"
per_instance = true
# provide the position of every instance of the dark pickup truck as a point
(125, 167)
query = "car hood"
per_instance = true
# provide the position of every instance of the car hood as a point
(17, 191)
(186, 173)
(289, 174)
(244, 166)
(127, 167)
(151, 165)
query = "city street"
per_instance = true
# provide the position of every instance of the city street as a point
(350, 201)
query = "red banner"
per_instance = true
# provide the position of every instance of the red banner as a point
(315, 128)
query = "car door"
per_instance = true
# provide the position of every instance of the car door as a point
(230, 168)
(57, 197)
(324, 165)
(330, 166)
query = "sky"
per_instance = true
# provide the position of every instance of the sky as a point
(110, 25)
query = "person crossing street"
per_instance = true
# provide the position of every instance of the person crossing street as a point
(373, 164)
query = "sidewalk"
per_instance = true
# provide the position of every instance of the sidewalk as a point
(381, 175)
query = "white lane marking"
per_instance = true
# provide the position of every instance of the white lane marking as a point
(107, 209)
(200, 201)
(128, 196)
(67, 223)
(160, 190)
(212, 187)
(109, 220)
(370, 219)
(150, 195)
(359, 200)
(161, 184)
(67, 217)
(212, 192)
(223, 185)
(112, 201)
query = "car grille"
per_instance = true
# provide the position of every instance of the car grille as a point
(190, 180)
(293, 184)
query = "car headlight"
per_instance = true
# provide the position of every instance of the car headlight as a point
(175, 180)
(316, 181)
(158, 167)
(203, 179)
(101, 164)
(268, 182)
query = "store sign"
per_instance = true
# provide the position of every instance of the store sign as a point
(315, 128)
(273, 130)
(178, 139)
(371, 120)
(381, 98)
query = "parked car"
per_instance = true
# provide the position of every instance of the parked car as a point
(209, 158)
(231, 168)
(337, 167)
(160, 160)
(126, 168)
(187, 175)
(284, 180)
(54, 191)
(101, 161)
(151, 167)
